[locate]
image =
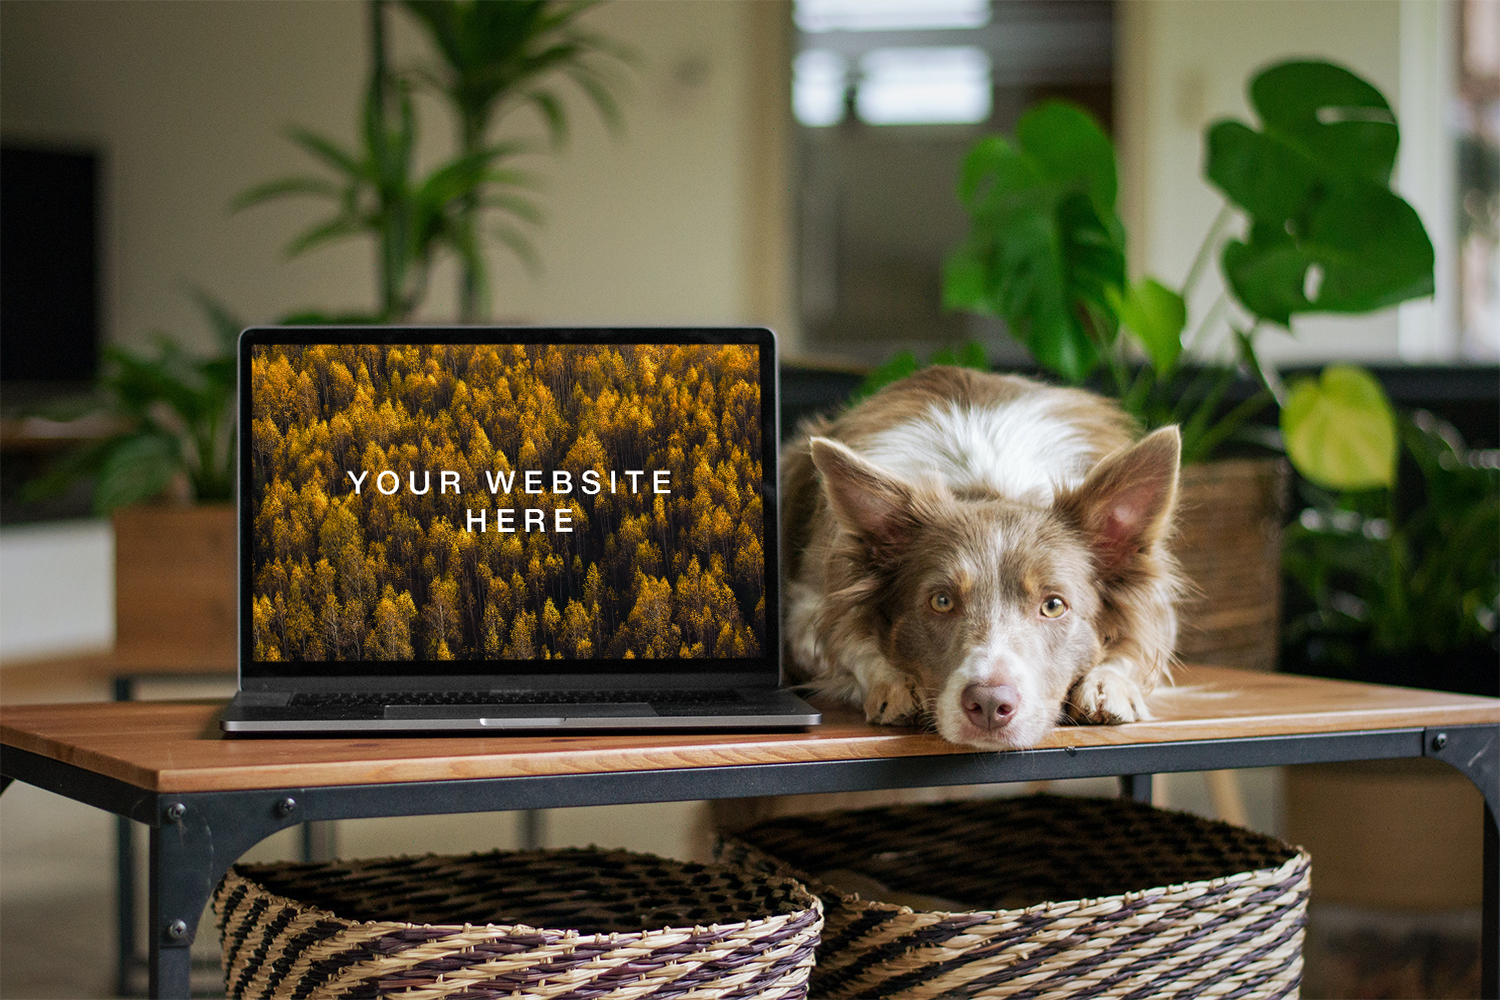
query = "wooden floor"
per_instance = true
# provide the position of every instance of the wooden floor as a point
(177, 746)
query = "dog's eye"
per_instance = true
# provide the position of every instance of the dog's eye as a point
(1053, 607)
(941, 603)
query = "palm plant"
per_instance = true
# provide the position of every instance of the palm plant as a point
(496, 58)
(375, 190)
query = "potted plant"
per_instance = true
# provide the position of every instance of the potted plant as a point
(166, 478)
(1323, 233)
(493, 57)
(1400, 585)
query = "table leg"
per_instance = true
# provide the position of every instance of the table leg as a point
(1136, 786)
(195, 838)
(320, 841)
(125, 957)
(1489, 945)
(1475, 750)
(124, 904)
(169, 953)
(532, 829)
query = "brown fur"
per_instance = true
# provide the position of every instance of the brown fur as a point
(869, 552)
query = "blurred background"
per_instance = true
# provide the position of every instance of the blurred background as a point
(755, 161)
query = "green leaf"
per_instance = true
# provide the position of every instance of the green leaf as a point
(226, 325)
(1071, 149)
(316, 317)
(973, 355)
(137, 470)
(1046, 249)
(522, 247)
(332, 229)
(329, 152)
(279, 188)
(894, 370)
(1326, 232)
(1334, 115)
(1340, 431)
(1156, 315)
(85, 460)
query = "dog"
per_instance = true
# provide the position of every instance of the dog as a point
(983, 553)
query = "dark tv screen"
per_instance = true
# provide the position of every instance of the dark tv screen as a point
(49, 265)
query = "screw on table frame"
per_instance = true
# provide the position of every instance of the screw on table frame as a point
(318, 844)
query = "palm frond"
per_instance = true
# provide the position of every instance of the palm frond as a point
(521, 246)
(339, 226)
(328, 151)
(280, 188)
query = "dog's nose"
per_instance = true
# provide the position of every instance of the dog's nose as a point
(990, 706)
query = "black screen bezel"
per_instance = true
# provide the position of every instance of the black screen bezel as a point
(766, 666)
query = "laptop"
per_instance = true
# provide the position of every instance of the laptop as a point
(508, 529)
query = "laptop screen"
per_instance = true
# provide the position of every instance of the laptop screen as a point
(477, 501)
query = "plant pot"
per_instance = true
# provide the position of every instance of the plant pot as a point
(1229, 518)
(175, 587)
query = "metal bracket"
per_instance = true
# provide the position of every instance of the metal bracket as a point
(1475, 751)
(195, 841)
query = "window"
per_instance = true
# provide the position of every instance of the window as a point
(888, 95)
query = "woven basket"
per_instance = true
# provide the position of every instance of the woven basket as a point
(1229, 515)
(1054, 897)
(482, 926)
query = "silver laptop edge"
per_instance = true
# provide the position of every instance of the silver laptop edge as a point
(262, 696)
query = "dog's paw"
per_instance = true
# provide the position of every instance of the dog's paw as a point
(892, 699)
(1107, 695)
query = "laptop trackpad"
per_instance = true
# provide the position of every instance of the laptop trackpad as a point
(529, 715)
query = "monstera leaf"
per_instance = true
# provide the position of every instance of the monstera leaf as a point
(1326, 233)
(1046, 251)
(1157, 315)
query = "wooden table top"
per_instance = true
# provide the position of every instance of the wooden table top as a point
(177, 746)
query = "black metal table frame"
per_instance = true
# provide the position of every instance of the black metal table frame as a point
(196, 836)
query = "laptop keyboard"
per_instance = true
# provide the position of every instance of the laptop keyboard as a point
(345, 700)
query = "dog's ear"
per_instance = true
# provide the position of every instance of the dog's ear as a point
(1125, 504)
(867, 501)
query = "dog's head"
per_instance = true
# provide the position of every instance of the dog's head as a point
(997, 606)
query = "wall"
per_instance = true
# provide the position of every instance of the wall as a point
(190, 103)
(1186, 63)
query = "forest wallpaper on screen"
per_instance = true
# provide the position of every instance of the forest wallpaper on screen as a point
(459, 501)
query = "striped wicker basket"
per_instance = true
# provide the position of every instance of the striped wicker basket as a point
(627, 926)
(1042, 897)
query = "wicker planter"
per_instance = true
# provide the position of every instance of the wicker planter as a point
(528, 925)
(1052, 897)
(175, 586)
(1229, 542)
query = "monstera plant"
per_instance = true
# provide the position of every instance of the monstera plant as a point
(1309, 225)
(1322, 232)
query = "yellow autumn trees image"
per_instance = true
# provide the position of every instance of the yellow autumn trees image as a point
(454, 501)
